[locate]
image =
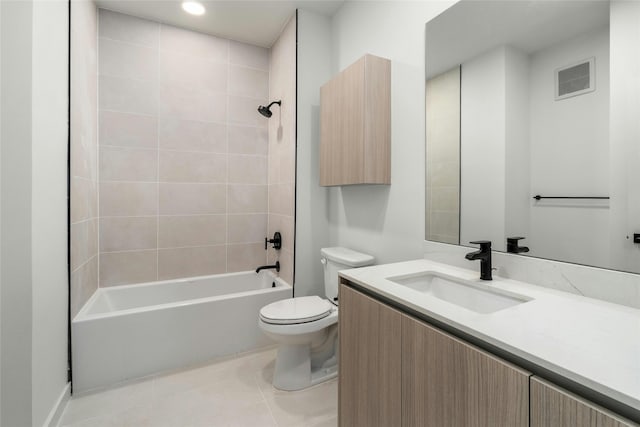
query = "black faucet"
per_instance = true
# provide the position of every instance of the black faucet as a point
(512, 245)
(265, 267)
(484, 255)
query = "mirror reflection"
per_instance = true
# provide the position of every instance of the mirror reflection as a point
(520, 141)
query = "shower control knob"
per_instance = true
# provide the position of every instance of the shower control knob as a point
(276, 241)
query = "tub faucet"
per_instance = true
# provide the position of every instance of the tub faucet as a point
(484, 255)
(266, 267)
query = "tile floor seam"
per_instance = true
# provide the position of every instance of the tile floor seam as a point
(266, 401)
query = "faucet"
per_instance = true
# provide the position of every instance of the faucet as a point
(265, 267)
(512, 245)
(484, 255)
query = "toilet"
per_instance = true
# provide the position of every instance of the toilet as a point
(306, 328)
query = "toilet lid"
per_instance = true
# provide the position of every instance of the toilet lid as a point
(296, 310)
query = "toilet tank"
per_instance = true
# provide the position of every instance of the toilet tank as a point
(336, 259)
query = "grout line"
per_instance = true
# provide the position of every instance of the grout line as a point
(226, 199)
(158, 156)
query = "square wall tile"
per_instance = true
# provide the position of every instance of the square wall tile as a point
(190, 135)
(84, 199)
(128, 199)
(191, 104)
(123, 268)
(193, 73)
(128, 164)
(248, 82)
(247, 228)
(192, 230)
(189, 262)
(248, 55)
(128, 130)
(248, 140)
(243, 257)
(244, 111)
(128, 95)
(128, 233)
(84, 282)
(192, 199)
(126, 28)
(126, 60)
(247, 198)
(183, 166)
(84, 242)
(174, 39)
(247, 169)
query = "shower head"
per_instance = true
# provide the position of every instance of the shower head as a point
(266, 111)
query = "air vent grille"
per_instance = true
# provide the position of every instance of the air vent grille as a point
(575, 79)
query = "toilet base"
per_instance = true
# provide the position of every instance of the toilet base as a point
(293, 369)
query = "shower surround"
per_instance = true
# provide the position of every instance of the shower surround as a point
(183, 153)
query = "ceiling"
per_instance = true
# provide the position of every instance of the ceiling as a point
(258, 22)
(471, 27)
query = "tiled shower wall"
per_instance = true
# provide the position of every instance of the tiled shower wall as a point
(182, 152)
(84, 146)
(282, 147)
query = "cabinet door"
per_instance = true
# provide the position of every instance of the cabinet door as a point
(554, 407)
(446, 382)
(370, 362)
(341, 127)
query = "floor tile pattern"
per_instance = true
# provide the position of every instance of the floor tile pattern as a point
(233, 392)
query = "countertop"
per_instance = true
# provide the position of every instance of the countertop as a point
(593, 343)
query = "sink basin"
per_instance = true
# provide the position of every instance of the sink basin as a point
(463, 293)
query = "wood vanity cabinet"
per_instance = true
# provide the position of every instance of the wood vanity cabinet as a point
(447, 382)
(355, 124)
(398, 371)
(369, 389)
(552, 406)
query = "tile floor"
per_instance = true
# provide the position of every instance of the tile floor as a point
(232, 392)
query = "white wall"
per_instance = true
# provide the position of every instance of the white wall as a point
(314, 69)
(482, 147)
(49, 206)
(34, 211)
(517, 166)
(625, 134)
(387, 221)
(16, 27)
(570, 154)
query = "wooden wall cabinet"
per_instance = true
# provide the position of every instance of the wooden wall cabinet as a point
(552, 406)
(355, 124)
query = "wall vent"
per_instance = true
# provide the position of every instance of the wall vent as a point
(575, 79)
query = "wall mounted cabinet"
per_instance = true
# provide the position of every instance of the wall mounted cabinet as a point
(355, 124)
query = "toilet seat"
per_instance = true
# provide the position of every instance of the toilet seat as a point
(296, 310)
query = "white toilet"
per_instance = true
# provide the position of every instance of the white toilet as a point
(306, 328)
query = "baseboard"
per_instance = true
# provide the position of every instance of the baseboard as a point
(57, 410)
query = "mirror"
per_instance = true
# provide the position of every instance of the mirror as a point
(526, 134)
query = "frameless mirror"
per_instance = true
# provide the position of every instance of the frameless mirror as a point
(522, 136)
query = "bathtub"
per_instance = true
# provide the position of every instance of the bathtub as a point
(132, 331)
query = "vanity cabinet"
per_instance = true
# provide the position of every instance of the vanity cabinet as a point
(396, 370)
(447, 382)
(369, 389)
(552, 406)
(355, 124)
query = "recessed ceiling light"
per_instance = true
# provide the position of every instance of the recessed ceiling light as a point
(193, 7)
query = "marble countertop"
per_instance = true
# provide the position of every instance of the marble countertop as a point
(591, 342)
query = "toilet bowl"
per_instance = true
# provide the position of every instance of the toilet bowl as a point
(306, 328)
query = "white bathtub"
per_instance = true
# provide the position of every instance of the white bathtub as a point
(132, 331)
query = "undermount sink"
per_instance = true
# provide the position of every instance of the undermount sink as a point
(463, 293)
